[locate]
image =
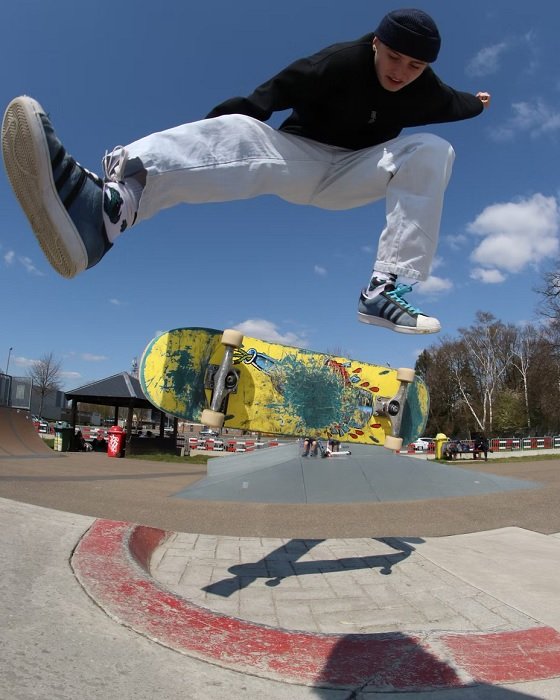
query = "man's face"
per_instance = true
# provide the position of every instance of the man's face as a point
(395, 70)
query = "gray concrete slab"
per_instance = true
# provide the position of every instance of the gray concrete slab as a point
(227, 463)
(344, 586)
(510, 563)
(281, 475)
(55, 642)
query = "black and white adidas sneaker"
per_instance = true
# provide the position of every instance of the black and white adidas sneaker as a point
(383, 304)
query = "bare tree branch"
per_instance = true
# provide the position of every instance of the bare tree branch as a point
(45, 375)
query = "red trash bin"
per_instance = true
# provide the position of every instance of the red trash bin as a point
(115, 442)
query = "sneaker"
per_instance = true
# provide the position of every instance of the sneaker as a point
(387, 308)
(62, 200)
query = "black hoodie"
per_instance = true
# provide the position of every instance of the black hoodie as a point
(336, 98)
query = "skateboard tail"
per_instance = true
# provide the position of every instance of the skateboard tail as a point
(415, 412)
(172, 370)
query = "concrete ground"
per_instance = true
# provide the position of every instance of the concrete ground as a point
(439, 598)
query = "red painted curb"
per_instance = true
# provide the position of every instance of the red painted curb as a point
(111, 562)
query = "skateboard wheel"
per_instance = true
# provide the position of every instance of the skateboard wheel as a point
(392, 443)
(232, 337)
(406, 375)
(212, 419)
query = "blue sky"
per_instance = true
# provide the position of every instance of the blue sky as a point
(109, 73)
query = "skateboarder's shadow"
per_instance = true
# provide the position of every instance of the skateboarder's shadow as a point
(283, 563)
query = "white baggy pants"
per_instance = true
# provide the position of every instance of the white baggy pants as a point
(237, 157)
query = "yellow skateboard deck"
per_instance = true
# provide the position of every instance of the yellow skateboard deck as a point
(281, 390)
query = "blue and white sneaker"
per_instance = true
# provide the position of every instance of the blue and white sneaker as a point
(62, 200)
(382, 304)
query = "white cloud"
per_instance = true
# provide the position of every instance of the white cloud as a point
(29, 266)
(116, 302)
(70, 375)
(534, 118)
(490, 59)
(11, 257)
(89, 357)
(490, 276)
(487, 60)
(434, 285)
(516, 234)
(456, 241)
(267, 330)
(23, 361)
(321, 271)
(437, 262)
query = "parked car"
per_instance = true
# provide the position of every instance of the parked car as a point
(208, 432)
(424, 444)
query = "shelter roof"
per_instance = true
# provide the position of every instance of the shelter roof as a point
(122, 389)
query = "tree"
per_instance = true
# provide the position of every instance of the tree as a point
(551, 295)
(440, 366)
(45, 375)
(494, 377)
(509, 412)
(488, 348)
(524, 348)
(544, 382)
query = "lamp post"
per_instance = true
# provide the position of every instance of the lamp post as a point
(8, 363)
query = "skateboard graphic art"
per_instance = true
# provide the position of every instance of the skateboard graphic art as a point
(222, 379)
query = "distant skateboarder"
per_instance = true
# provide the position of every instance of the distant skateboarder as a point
(310, 446)
(340, 148)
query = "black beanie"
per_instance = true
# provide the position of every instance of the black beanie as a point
(411, 32)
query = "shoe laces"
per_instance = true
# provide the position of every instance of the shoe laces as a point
(114, 164)
(396, 295)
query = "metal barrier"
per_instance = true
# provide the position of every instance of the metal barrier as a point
(508, 444)
(505, 444)
(231, 445)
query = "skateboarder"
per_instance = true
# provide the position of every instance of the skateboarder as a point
(310, 444)
(340, 148)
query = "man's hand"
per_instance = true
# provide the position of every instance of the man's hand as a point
(484, 97)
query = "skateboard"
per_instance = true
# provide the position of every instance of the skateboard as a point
(222, 379)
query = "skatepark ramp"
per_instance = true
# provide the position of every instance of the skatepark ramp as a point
(18, 437)
(282, 475)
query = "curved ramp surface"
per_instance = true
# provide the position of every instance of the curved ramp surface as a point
(18, 437)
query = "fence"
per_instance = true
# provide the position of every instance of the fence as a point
(15, 391)
(221, 445)
(248, 445)
(533, 443)
(509, 444)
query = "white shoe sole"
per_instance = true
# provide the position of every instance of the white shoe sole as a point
(377, 321)
(27, 162)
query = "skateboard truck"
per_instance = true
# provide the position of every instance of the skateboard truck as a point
(222, 379)
(393, 407)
